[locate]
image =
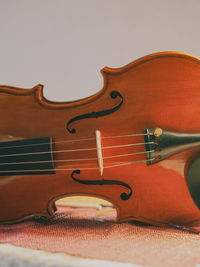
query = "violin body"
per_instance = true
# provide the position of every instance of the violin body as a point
(157, 91)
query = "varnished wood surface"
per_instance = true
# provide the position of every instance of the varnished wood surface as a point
(159, 90)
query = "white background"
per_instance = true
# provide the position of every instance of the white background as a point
(63, 44)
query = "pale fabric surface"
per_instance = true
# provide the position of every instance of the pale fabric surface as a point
(73, 231)
(21, 257)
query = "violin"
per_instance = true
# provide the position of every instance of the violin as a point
(135, 143)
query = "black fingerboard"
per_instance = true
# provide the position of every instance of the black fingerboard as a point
(26, 157)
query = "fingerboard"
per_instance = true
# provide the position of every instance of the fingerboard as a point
(26, 157)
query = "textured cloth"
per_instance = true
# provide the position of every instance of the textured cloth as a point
(74, 231)
(23, 257)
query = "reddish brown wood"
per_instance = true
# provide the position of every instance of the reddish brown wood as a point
(159, 90)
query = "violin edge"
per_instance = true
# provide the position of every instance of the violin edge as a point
(51, 208)
(147, 58)
(37, 90)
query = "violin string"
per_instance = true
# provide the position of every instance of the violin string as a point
(70, 141)
(129, 154)
(136, 144)
(74, 150)
(68, 160)
(87, 168)
(130, 163)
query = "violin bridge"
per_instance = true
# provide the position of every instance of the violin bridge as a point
(99, 151)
